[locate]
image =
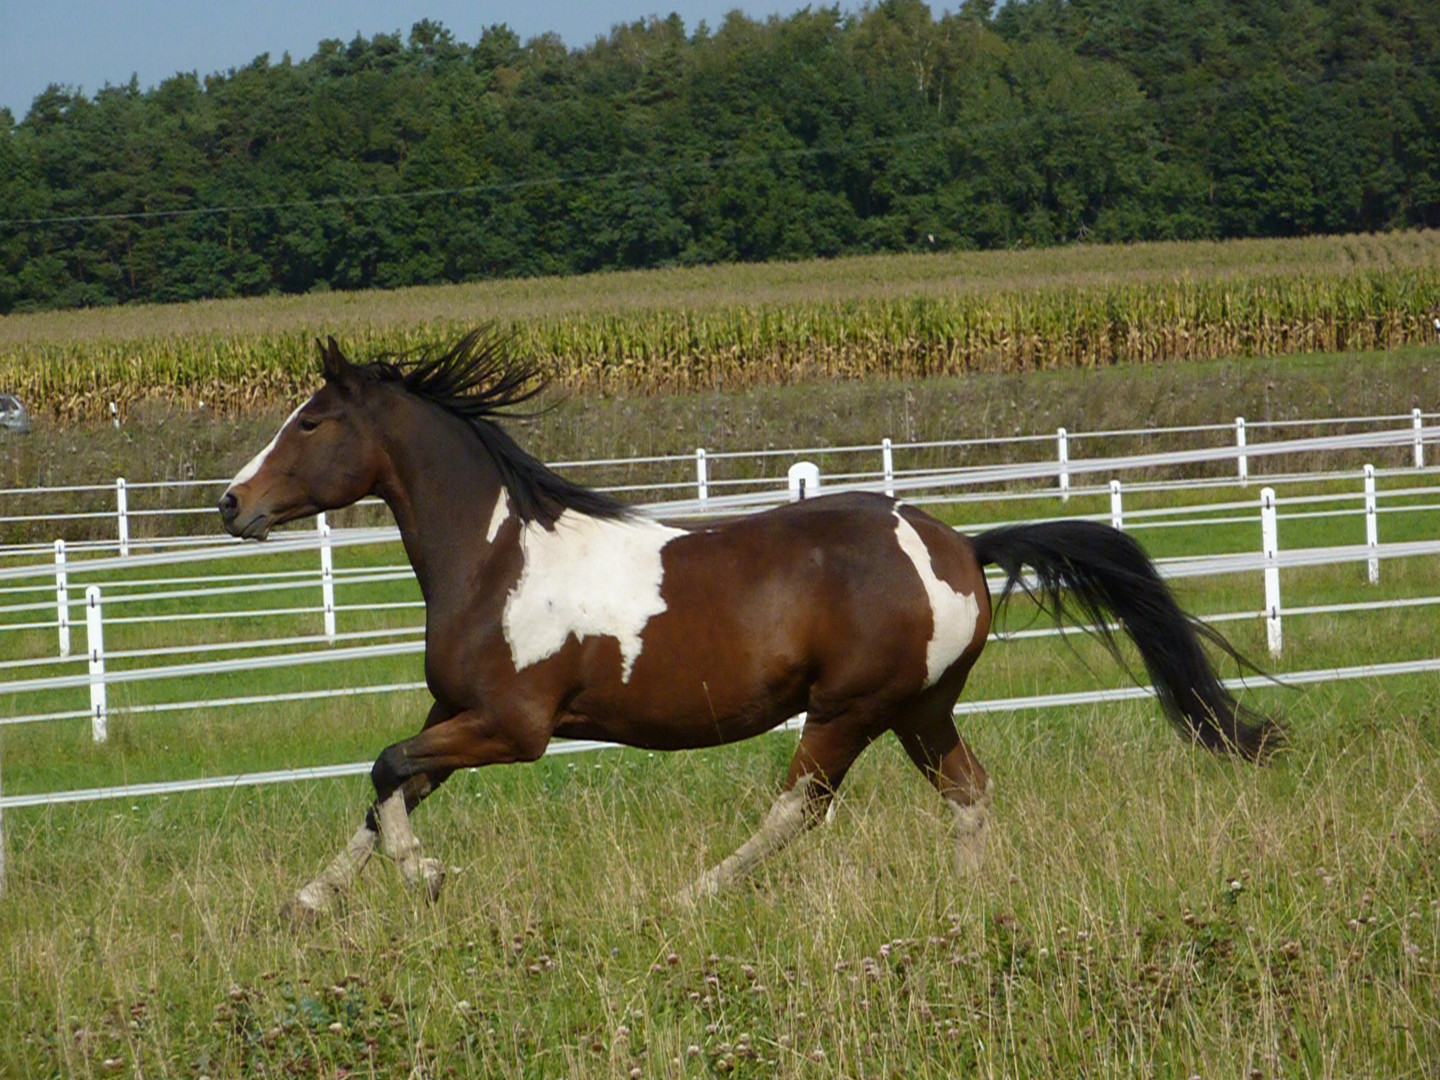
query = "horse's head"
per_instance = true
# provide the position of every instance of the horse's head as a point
(323, 457)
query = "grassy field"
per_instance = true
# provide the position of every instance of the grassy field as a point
(1146, 911)
(747, 326)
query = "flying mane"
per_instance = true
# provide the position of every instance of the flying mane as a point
(478, 379)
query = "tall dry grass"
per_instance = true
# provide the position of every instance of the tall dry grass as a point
(737, 327)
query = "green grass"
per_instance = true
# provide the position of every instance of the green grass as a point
(1146, 910)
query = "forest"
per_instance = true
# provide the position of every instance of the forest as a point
(417, 158)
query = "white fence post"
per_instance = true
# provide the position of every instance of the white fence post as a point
(327, 579)
(887, 458)
(1242, 463)
(1117, 511)
(702, 474)
(1062, 446)
(122, 515)
(1418, 423)
(1270, 542)
(1372, 531)
(95, 641)
(2, 847)
(62, 598)
(804, 480)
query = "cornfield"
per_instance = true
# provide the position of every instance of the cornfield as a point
(739, 345)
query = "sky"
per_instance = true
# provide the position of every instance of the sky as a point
(88, 43)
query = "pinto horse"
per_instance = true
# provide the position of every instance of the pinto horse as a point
(554, 610)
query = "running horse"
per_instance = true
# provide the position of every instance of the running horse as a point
(552, 610)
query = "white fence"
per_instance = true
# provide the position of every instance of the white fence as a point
(709, 492)
(36, 580)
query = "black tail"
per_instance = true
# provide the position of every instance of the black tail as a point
(1100, 572)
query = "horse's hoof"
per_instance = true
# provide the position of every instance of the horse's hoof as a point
(432, 876)
(705, 887)
(303, 909)
(296, 914)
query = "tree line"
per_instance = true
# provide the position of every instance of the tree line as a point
(392, 161)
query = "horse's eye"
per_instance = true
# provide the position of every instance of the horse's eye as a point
(308, 423)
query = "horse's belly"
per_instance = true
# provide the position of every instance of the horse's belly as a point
(682, 707)
(648, 735)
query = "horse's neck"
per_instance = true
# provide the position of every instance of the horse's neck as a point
(442, 489)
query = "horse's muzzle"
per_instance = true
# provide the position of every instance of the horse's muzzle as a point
(229, 507)
(256, 527)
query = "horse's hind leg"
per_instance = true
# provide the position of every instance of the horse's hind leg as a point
(938, 751)
(825, 754)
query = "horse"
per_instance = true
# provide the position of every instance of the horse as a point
(555, 611)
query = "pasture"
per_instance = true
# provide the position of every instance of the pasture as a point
(1146, 909)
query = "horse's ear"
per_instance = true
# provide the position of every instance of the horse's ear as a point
(333, 364)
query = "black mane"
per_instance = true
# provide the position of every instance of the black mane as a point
(479, 379)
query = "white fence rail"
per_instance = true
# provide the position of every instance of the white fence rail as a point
(874, 468)
(29, 572)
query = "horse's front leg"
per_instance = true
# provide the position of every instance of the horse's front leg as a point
(335, 880)
(407, 771)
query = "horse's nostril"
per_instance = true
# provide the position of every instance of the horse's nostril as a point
(229, 505)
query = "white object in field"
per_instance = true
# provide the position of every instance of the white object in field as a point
(1062, 445)
(1372, 531)
(62, 598)
(1270, 542)
(95, 642)
(804, 480)
(327, 579)
(122, 515)
(1242, 463)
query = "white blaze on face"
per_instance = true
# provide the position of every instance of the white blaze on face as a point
(253, 465)
(955, 613)
(498, 517)
(590, 577)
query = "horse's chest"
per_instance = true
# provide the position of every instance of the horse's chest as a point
(585, 578)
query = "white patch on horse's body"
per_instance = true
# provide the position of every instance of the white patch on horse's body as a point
(253, 465)
(590, 577)
(499, 517)
(954, 614)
